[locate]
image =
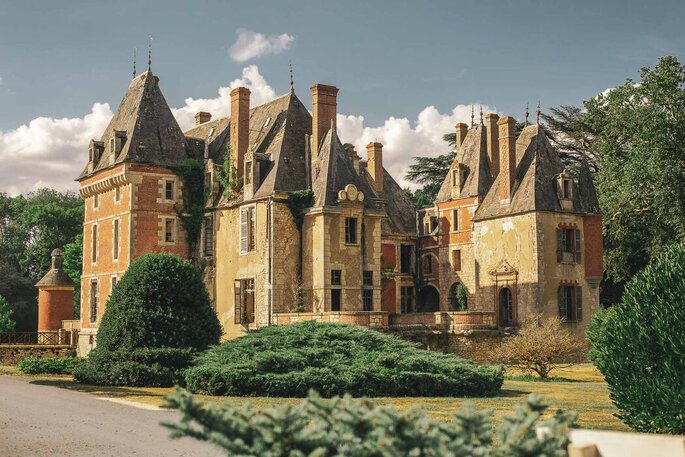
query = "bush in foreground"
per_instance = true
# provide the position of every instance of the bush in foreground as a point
(334, 359)
(49, 365)
(345, 427)
(639, 346)
(157, 320)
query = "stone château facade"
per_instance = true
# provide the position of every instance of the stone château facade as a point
(296, 226)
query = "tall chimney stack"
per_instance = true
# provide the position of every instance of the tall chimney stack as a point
(324, 110)
(493, 142)
(507, 158)
(462, 129)
(240, 127)
(201, 117)
(374, 152)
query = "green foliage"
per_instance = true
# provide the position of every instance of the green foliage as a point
(345, 426)
(639, 346)
(425, 196)
(73, 265)
(157, 319)
(460, 297)
(191, 215)
(297, 202)
(334, 359)
(229, 177)
(6, 322)
(49, 365)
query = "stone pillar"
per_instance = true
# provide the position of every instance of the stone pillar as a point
(55, 296)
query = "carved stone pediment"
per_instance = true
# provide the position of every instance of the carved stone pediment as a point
(503, 268)
(351, 194)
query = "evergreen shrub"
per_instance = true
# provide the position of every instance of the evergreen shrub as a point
(334, 359)
(49, 365)
(639, 346)
(157, 320)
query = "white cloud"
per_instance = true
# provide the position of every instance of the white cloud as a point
(251, 45)
(403, 140)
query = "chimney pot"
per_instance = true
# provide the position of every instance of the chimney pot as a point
(324, 111)
(201, 117)
(240, 127)
(507, 158)
(374, 152)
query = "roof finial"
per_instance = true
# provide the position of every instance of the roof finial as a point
(481, 114)
(526, 121)
(292, 84)
(134, 62)
(472, 123)
(537, 114)
(149, 54)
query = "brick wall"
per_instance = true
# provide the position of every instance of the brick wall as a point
(12, 354)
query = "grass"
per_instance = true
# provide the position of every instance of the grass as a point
(580, 388)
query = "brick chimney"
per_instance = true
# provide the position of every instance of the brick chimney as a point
(324, 110)
(374, 152)
(493, 142)
(240, 127)
(462, 129)
(507, 158)
(201, 117)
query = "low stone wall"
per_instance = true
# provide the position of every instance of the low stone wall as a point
(11, 354)
(445, 320)
(476, 345)
(377, 319)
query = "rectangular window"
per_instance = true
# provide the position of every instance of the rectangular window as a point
(351, 230)
(406, 258)
(208, 247)
(571, 303)
(96, 200)
(455, 178)
(367, 299)
(335, 299)
(568, 245)
(434, 223)
(114, 284)
(455, 220)
(244, 301)
(169, 230)
(566, 188)
(169, 190)
(247, 243)
(117, 193)
(248, 172)
(336, 277)
(115, 240)
(428, 264)
(456, 260)
(94, 298)
(406, 300)
(94, 244)
(368, 278)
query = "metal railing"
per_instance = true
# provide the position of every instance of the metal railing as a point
(60, 338)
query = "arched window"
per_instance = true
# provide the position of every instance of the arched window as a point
(429, 300)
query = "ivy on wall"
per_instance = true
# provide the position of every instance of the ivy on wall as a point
(191, 214)
(297, 202)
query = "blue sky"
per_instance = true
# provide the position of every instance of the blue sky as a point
(390, 59)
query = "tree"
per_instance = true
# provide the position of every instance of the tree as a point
(572, 136)
(539, 345)
(73, 266)
(22, 296)
(157, 320)
(639, 346)
(6, 322)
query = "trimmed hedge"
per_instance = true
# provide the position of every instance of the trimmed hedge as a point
(49, 365)
(334, 359)
(639, 346)
(157, 320)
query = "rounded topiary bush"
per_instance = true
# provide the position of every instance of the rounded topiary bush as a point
(639, 346)
(334, 359)
(157, 320)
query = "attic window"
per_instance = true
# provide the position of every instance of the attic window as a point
(565, 188)
(455, 178)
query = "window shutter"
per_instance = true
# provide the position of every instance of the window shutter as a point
(560, 243)
(578, 257)
(579, 303)
(238, 307)
(250, 229)
(243, 231)
(562, 302)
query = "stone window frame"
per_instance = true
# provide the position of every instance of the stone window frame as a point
(336, 292)
(367, 277)
(208, 239)
(427, 263)
(352, 237)
(117, 194)
(116, 239)
(243, 314)
(570, 293)
(367, 299)
(93, 300)
(96, 201)
(407, 294)
(410, 269)
(456, 266)
(456, 219)
(569, 243)
(94, 234)
(165, 190)
(163, 232)
(336, 273)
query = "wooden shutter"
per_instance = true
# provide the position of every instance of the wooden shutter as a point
(578, 257)
(238, 307)
(560, 244)
(579, 303)
(249, 305)
(251, 229)
(243, 231)
(562, 302)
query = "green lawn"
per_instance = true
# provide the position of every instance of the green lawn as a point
(582, 389)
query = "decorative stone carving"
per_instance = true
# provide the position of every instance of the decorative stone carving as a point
(350, 193)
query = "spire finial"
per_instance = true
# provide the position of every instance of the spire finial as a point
(481, 114)
(472, 116)
(134, 62)
(537, 113)
(149, 54)
(526, 121)
(292, 84)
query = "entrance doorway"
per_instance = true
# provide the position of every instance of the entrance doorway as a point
(506, 307)
(429, 300)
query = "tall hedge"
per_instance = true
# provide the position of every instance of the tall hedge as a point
(639, 346)
(157, 320)
(334, 359)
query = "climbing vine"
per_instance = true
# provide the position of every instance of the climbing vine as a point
(228, 178)
(191, 214)
(297, 202)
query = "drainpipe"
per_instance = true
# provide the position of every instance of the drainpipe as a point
(270, 261)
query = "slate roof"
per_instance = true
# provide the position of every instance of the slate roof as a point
(535, 184)
(152, 133)
(473, 154)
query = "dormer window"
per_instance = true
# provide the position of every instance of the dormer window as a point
(566, 188)
(455, 178)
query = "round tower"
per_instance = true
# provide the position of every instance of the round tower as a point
(55, 296)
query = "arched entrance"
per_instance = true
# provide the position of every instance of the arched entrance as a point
(506, 307)
(429, 300)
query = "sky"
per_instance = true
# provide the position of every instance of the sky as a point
(407, 71)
